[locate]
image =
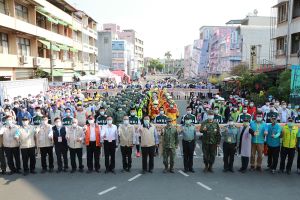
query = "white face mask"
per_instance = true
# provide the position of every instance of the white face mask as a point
(244, 111)
(74, 125)
(58, 124)
(161, 112)
(211, 117)
(189, 112)
(45, 122)
(91, 121)
(25, 123)
(126, 121)
(109, 122)
(9, 122)
(231, 123)
(101, 113)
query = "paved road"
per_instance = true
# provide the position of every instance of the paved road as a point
(219, 185)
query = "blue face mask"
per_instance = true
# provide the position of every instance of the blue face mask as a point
(290, 124)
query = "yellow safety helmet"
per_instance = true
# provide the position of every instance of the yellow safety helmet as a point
(86, 100)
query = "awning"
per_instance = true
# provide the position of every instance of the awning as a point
(279, 4)
(54, 47)
(74, 50)
(50, 19)
(56, 72)
(63, 47)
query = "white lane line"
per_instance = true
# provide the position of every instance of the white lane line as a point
(204, 186)
(135, 177)
(184, 174)
(227, 198)
(106, 191)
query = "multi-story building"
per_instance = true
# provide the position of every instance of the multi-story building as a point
(122, 56)
(287, 33)
(105, 39)
(34, 31)
(173, 65)
(188, 59)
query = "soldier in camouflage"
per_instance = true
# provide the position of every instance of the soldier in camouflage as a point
(170, 144)
(210, 140)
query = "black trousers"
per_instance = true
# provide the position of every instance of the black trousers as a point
(298, 159)
(28, 154)
(47, 151)
(287, 152)
(273, 155)
(188, 154)
(245, 162)
(73, 153)
(13, 158)
(126, 157)
(93, 153)
(109, 153)
(61, 152)
(148, 152)
(2, 159)
(229, 151)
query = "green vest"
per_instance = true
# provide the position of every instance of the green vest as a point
(133, 120)
(101, 120)
(160, 119)
(67, 121)
(37, 120)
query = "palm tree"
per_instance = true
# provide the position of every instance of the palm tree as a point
(168, 55)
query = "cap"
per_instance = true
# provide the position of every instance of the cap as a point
(25, 118)
(290, 119)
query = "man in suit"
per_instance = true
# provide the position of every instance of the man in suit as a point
(60, 144)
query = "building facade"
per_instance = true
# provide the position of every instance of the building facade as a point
(122, 56)
(105, 39)
(173, 65)
(287, 33)
(45, 35)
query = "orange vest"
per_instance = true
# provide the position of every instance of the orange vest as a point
(88, 135)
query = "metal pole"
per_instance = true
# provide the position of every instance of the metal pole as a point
(289, 15)
(51, 62)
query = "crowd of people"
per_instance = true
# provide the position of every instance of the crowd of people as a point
(145, 120)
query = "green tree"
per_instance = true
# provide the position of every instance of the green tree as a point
(168, 55)
(41, 74)
(156, 64)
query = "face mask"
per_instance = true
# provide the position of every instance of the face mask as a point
(259, 119)
(230, 123)
(189, 112)
(244, 111)
(109, 121)
(126, 122)
(68, 104)
(298, 113)
(272, 109)
(146, 122)
(216, 111)
(132, 114)
(235, 109)
(267, 104)
(246, 102)
(7, 113)
(290, 124)
(289, 106)
(230, 105)
(9, 122)
(91, 121)
(188, 122)
(251, 104)
(284, 106)
(276, 104)
(25, 123)
(296, 107)
(210, 117)
(101, 113)
(17, 105)
(119, 109)
(38, 113)
(171, 106)
(58, 124)
(161, 112)
(68, 114)
(74, 125)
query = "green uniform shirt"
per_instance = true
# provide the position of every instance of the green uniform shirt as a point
(212, 133)
(230, 135)
(189, 133)
(244, 116)
(170, 137)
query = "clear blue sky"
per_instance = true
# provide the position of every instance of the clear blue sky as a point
(169, 25)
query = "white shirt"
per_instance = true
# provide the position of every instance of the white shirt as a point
(92, 133)
(109, 133)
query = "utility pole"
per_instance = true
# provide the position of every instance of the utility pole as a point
(287, 50)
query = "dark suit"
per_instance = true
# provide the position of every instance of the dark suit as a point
(61, 147)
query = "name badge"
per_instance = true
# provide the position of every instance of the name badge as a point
(59, 139)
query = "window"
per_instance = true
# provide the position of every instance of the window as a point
(85, 56)
(105, 40)
(3, 43)
(121, 55)
(55, 28)
(41, 50)
(2, 6)
(296, 8)
(85, 38)
(280, 43)
(75, 36)
(41, 20)
(23, 46)
(295, 43)
(21, 12)
(282, 13)
(114, 55)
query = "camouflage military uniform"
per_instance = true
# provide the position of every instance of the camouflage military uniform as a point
(211, 138)
(118, 118)
(170, 137)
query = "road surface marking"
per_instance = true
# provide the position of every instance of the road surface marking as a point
(135, 177)
(106, 191)
(227, 198)
(184, 174)
(204, 186)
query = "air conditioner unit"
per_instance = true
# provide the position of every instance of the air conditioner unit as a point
(53, 63)
(24, 59)
(280, 52)
(37, 61)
